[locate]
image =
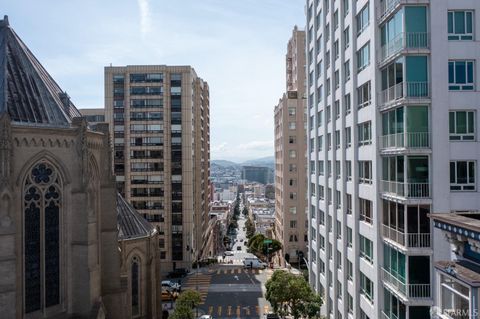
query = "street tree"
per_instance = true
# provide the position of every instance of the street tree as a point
(249, 228)
(257, 246)
(185, 303)
(290, 295)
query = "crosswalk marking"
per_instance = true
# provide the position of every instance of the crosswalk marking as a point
(200, 283)
(229, 310)
(265, 308)
(226, 271)
(210, 310)
(247, 311)
(219, 311)
(257, 310)
(238, 311)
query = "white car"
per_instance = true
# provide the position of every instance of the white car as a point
(170, 285)
(228, 253)
(205, 317)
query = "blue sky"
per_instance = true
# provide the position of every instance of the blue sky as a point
(237, 46)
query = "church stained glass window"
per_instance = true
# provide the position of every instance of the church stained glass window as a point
(135, 286)
(42, 208)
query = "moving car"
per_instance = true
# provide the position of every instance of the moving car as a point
(171, 286)
(228, 253)
(205, 317)
(270, 315)
(241, 240)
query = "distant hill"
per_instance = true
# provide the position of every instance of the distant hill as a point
(268, 161)
(224, 163)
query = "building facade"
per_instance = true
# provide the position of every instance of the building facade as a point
(257, 174)
(58, 228)
(385, 81)
(290, 155)
(159, 120)
(93, 116)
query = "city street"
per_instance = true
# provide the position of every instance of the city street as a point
(229, 290)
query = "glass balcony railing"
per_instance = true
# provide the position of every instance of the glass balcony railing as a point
(387, 6)
(405, 40)
(390, 316)
(411, 90)
(411, 291)
(405, 140)
(410, 240)
(407, 190)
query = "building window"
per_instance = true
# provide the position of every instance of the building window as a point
(365, 133)
(328, 88)
(320, 168)
(329, 196)
(337, 139)
(366, 208)
(363, 19)
(350, 303)
(366, 249)
(321, 217)
(293, 224)
(329, 141)
(462, 175)
(461, 75)
(348, 104)
(329, 114)
(292, 139)
(321, 192)
(338, 202)
(336, 78)
(364, 95)
(336, 50)
(363, 57)
(365, 172)
(349, 204)
(335, 20)
(462, 125)
(349, 237)
(337, 109)
(135, 288)
(366, 287)
(327, 32)
(456, 296)
(322, 242)
(292, 111)
(320, 143)
(349, 270)
(42, 203)
(291, 125)
(460, 25)
(348, 170)
(292, 154)
(348, 137)
(327, 59)
(329, 168)
(346, 37)
(339, 229)
(346, 7)
(337, 169)
(346, 67)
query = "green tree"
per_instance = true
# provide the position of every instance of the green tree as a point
(290, 295)
(258, 247)
(250, 228)
(185, 303)
(245, 211)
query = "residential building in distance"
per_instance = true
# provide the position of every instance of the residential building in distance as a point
(159, 119)
(259, 174)
(393, 111)
(290, 159)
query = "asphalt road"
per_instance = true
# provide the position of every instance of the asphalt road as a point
(229, 290)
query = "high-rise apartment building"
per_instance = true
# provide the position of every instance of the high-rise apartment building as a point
(159, 118)
(393, 110)
(290, 156)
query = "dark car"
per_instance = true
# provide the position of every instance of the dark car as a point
(270, 316)
(177, 273)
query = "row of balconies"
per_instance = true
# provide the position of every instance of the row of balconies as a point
(406, 290)
(409, 240)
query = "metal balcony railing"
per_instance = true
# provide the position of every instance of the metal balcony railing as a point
(412, 291)
(406, 139)
(405, 40)
(391, 316)
(413, 90)
(410, 240)
(407, 190)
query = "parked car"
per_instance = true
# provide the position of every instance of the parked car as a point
(228, 253)
(239, 247)
(205, 317)
(171, 286)
(241, 240)
(178, 273)
(270, 315)
(253, 262)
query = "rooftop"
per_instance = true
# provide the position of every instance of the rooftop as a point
(130, 223)
(27, 92)
(467, 220)
(464, 270)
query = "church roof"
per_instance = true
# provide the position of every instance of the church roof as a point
(27, 92)
(130, 223)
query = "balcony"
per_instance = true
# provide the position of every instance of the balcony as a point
(405, 140)
(404, 90)
(387, 7)
(407, 291)
(391, 316)
(406, 190)
(409, 240)
(405, 41)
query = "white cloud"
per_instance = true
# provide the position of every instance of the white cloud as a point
(220, 148)
(145, 22)
(257, 146)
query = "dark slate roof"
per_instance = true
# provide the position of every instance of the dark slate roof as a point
(27, 92)
(130, 223)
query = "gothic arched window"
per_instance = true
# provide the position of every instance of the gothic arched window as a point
(135, 280)
(42, 208)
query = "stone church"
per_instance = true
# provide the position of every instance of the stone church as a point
(70, 247)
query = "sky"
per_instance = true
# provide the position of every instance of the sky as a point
(237, 46)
